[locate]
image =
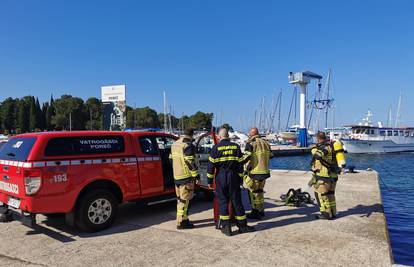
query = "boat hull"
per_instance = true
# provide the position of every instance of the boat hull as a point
(376, 146)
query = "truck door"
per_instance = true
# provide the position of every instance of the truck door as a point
(204, 145)
(164, 149)
(150, 166)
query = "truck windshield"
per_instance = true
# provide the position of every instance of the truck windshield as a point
(17, 148)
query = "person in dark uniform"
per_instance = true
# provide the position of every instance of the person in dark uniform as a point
(226, 161)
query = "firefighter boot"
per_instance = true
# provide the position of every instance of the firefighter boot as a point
(323, 216)
(226, 229)
(185, 224)
(255, 215)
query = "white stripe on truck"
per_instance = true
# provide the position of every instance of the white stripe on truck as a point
(74, 162)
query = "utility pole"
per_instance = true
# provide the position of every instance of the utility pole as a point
(90, 116)
(70, 121)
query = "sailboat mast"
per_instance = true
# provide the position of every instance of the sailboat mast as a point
(328, 82)
(280, 109)
(398, 117)
(165, 112)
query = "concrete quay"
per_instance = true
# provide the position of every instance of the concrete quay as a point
(288, 236)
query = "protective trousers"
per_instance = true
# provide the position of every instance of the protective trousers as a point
(325, 196)
(185, 193)
(256, 192)
(228, 189)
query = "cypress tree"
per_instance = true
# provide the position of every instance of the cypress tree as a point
(50, 112)
(38, 115)
(32, 114)
(22, 119)
(43, 119)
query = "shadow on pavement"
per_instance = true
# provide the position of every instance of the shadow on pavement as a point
(309, 211)
(131, 217)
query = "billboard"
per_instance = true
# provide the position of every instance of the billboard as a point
(114, 107)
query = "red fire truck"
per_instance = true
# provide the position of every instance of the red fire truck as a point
(85, 174)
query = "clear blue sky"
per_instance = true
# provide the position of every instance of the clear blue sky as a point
(211, 55)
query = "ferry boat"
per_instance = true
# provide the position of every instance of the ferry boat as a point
(366, 138)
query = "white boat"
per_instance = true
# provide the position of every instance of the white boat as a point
(366, 138)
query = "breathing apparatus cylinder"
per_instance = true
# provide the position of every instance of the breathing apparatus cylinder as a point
(339, 153)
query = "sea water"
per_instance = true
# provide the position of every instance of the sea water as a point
(397, 189)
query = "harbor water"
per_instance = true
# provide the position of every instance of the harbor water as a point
(397, 187)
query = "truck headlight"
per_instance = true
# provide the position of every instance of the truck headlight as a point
(32, 185)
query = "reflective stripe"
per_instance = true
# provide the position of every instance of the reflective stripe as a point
(224, 217)
(241, 175)
(189, 157)
(222, 159)
(75, 162)
(241, 218)
(226, 148)
(210, 175)
(260, 172)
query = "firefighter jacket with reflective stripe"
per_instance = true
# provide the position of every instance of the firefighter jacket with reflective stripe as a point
(324, 163)
(183, 157)
(225, 156)
(256, 157)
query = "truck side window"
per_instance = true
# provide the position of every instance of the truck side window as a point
(164, 143)
(84, 145)
(148, 146)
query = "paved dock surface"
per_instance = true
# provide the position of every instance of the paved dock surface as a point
(288, 236)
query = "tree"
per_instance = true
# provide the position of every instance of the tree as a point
(50, 112)
(32, 115)
(8, 115)
(201, 120)
(38, 115)
(23, 117)
(45, 106)
(147, 118)
(66, 107)
(174, 120)
(94, 113)
(130, 118)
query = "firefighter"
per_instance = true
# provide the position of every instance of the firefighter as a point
(185, 175)
(226, 161)
(325, 175)
(256, 158)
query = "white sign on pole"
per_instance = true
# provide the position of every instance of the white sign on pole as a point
(113, 93)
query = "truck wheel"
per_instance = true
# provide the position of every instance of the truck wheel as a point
(96, 211)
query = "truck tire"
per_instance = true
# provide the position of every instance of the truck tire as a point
(96, 210)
